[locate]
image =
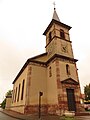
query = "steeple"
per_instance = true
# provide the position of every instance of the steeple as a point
(55, 16)
(56, 20)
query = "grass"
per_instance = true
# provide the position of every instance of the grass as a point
(67, 118)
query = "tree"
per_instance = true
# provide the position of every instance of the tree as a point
(3, 104)
(9, 93)
(87, 92)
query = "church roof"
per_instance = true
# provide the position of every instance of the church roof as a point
(55, 16)
(33, 59)
(38, 61)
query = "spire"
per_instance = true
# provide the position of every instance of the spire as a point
(55, 16)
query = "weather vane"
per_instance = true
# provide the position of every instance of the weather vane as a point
(54, 5)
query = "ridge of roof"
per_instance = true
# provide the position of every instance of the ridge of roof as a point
(39, 62)
(26, 63)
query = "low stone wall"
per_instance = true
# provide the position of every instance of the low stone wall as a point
(8, 101)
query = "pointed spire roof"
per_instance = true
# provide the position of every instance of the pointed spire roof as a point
(55, 16)
(55, 19)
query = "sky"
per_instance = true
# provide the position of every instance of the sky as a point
(22, 23)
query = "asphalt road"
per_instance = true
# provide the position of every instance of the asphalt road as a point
(6, 117)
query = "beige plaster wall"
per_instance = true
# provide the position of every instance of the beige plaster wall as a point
(38, 83)
(52, 85)
(22, 77)
(63, 74)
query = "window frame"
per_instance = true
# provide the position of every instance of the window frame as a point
(22, 93)
(50, 71)
(50, 36)
(67, 69)
(62, 34)
(18, 92)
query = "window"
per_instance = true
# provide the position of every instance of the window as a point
(22, 90)
(14, 95)
(50, 36)
(18, 93)
(50, 72)
(67, 69)
(62, 35)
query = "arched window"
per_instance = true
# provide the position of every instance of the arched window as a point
(67, 69)
(18, 93)
(50, 36)
(22, 90)
(62, 34)
(50, 72)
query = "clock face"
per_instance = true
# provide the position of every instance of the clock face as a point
(64, 48)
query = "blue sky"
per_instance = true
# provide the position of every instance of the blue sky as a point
(22, 23)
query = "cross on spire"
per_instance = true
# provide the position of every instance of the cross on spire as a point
(54, 5)
(55, 16)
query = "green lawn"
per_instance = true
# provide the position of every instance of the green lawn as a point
(68, 118)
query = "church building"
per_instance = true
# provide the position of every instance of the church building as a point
(53, 76)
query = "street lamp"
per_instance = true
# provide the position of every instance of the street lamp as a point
(40, 95)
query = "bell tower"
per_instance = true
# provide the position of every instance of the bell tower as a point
(63, 75)
(57, 38)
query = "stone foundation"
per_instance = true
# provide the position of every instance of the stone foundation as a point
(54, 109)
(34, 109)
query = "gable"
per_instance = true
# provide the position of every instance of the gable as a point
(70, 81)
(42, 57)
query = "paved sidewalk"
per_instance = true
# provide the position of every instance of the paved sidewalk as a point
(29, 117)
(43, 117)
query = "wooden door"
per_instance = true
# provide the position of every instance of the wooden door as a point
(71, 100)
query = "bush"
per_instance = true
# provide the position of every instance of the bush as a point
(3, 104)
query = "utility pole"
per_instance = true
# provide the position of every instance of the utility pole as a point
(40, 95)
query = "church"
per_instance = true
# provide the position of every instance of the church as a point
(52, 75)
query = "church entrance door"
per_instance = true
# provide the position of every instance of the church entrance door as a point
(71, 100)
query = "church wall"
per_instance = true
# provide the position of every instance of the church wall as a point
(18, 105)
(51, 84)
(19, 109)
(62, 95)
(38, 83)
(63, 73)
